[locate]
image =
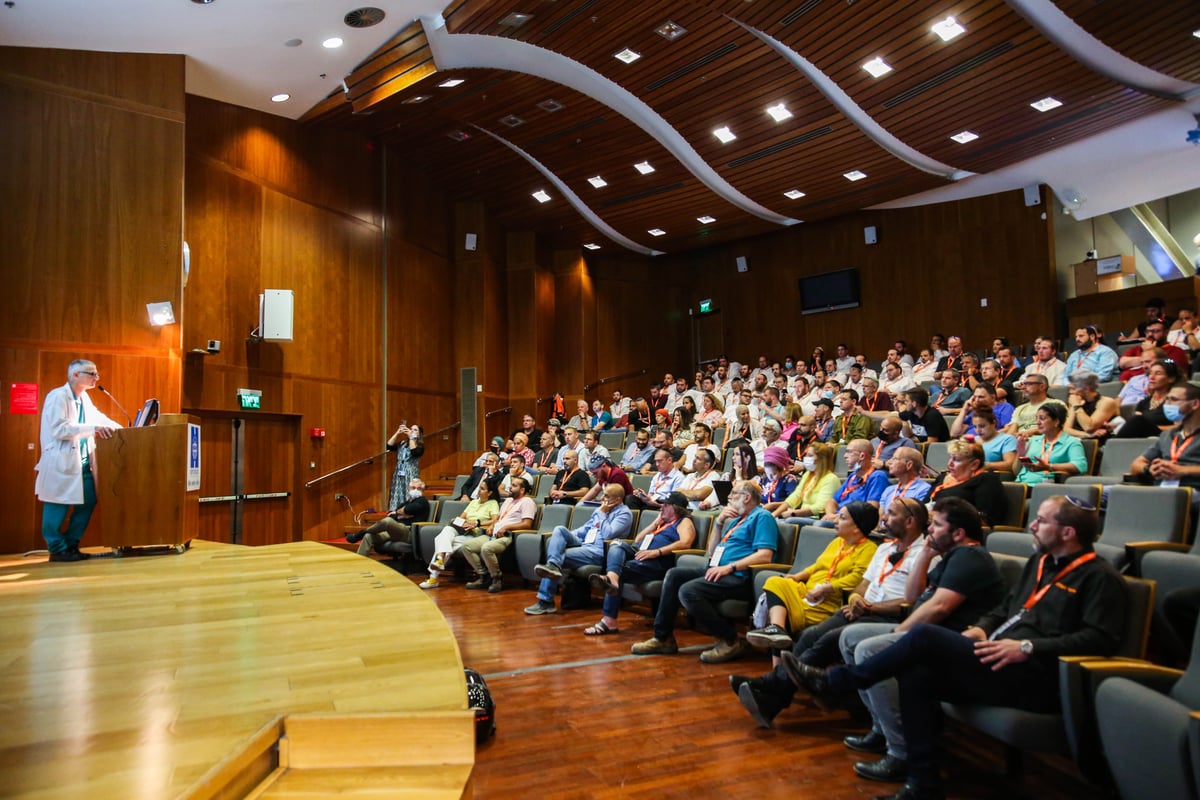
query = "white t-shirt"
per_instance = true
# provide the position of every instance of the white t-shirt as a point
(895, 576)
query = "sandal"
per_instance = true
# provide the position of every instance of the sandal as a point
(600, 629)
(601, 582)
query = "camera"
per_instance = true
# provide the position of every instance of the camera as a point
(214, 346)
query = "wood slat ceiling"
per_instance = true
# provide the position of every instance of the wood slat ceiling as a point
(718, 73)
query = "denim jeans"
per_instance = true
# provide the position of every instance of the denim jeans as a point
(687, 587)
(883, 699)
(621, 561)
(567, 551)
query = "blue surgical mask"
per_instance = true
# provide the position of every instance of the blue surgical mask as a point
(1172, 412)
(827, 395)
(788, 364)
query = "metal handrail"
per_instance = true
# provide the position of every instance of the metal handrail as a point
(612, 378)
(497, 411)
(371, 458)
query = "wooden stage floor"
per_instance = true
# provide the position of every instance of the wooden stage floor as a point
(131, 678)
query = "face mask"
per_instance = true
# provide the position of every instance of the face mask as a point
(788, 364)
(770, 471)
(810, 463)
(414, 492)
(827, 395)
(1172, 412)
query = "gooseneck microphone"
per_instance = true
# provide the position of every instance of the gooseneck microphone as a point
(128, 418)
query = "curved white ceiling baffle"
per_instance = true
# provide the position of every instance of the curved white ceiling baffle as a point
(465, 50)
(574, 200)
(1066, 34)
(853, 112)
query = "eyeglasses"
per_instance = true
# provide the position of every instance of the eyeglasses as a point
(93, 374)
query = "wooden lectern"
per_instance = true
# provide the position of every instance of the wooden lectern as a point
(141, 485)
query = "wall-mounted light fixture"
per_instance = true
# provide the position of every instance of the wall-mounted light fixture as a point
(161, 313)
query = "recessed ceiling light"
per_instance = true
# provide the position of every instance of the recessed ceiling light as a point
(948, 29)
(670, 30)
(281, 97)
(643, 167)
(332, 42)
(450, 84)
(706, 219)
(962, 137)
(1046, 104)
(416, 98)
(541, 196)
(1196, 33)
(550, 104)
(656, 232)
(597, 182)
(592, 246)
(515, 20)
(724, 134)
(779, 112)
(202, 2)
(854, 175)
(627, 55)
(459, 136)
(793, 194)
(877, 67)
(512, 120)
(293, 43)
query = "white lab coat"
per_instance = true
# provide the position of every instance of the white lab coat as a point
(60, 468)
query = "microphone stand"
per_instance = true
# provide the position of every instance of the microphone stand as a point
(128, 418)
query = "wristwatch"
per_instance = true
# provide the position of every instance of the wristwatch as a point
(1027, 647)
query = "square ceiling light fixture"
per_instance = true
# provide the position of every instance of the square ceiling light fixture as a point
(1046, 104)
(550, 105)
(459, 136)
(779, 112)
(724, 134)
(541, 196)
(962, 137)
(643, 167)
(512, 120)
(627, 55)
(854, 175)
(670, 30)
(592, 246)
(948, 29)
(793, 194)
(597, 182)
(450, 84)
(877, 67)
(515, 20)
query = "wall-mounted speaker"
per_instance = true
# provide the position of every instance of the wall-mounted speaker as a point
(870, 235)
(470, 242)
(743, 265)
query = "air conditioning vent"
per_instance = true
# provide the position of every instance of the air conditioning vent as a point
(364, 17)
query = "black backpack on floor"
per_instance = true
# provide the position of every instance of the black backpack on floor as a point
(479, 698)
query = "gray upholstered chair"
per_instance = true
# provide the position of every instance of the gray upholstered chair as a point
(530, 546)
(423, 533)
(811, 541)
(1137, 514)
(1064, 733)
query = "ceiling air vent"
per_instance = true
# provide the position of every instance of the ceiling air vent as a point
(364, 17)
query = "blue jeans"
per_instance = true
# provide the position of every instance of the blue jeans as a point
(933, 664)
(621, 561)
(53, 515)
(567, 551)
(687, 587)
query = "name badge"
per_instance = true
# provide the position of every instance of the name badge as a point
(1171, 482)
(715, 561)
(591, 537)
(645, 545)
(1008, 623)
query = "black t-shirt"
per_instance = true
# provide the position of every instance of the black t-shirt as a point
(416, 509)
(985, 491)
(535, 438)
(932, 423)
(579, 480)
(972, 572)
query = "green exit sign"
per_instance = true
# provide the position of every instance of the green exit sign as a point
(706, 306)
(250, 398)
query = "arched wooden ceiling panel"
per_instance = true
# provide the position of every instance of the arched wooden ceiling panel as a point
(1162, 36)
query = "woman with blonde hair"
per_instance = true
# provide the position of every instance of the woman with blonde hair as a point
(712, 410)
(815, 489)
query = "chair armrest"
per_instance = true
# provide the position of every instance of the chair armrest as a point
(1136, 551)
(756, 568)
(1152, 676)
(1010, 528)
(689, 551)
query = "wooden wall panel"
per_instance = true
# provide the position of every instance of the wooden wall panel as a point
(91, 150)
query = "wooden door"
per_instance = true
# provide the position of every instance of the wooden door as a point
(248, 478)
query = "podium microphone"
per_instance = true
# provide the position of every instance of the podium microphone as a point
(128, 418)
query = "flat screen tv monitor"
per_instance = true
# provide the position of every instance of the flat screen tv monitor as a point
(148, 415)
(829, 291)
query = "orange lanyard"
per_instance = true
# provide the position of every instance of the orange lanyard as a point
(657, 527)
(846, 423)
(950, 481)
(729, 532)
(841, 554)
(1034, 597)
(658, 481)
(851, 485)
(879, 450)
(1048, 446)
(940, 398)
(904, 489)
(567, 477)
(1004, 373)
(1178, 445)
(874, 401)
(883, 575)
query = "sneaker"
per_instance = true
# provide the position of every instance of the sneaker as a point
(551, 571)
(497, 585)
(724, 651)
(438, 563)
(542, 607)
(431, 583)
(771, 636)
(655, 646)
(762, 706)
(736, 681)
(65, 555)
(809, 678)
(82, 555)
(480, 582)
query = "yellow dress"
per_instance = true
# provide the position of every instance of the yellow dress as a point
(813, 494)
(840, 564)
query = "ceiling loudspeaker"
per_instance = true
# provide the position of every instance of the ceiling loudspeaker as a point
(470, 242)
(743, 265)
(1033, 195)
